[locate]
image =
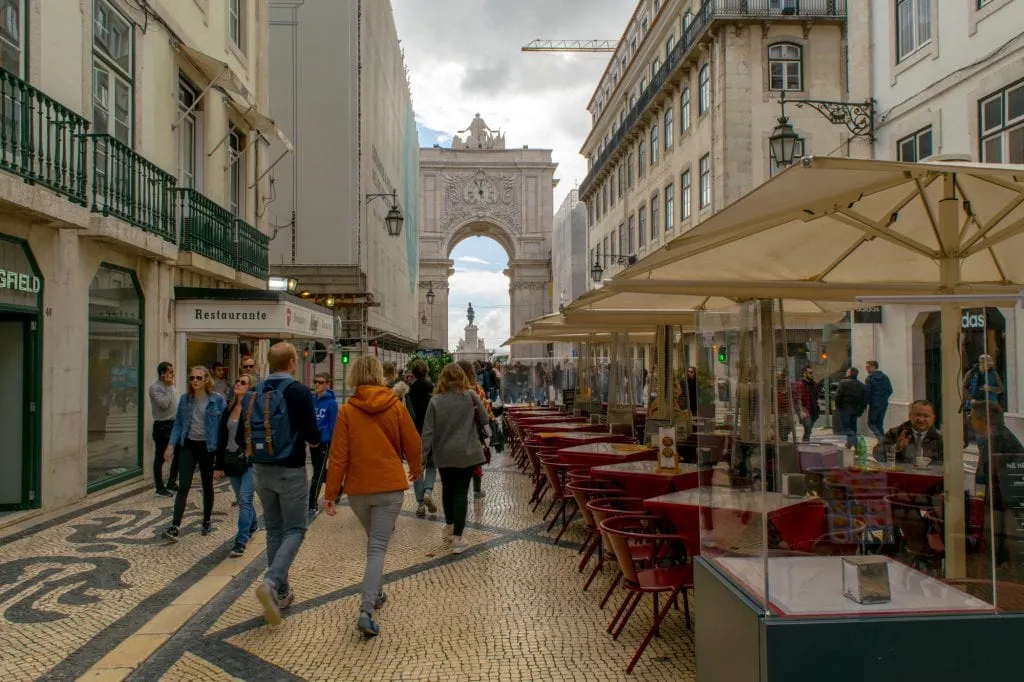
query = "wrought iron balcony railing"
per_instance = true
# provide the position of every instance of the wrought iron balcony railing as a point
(253, 250)
(206, 227)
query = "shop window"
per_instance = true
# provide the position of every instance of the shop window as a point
(115, 409)
(112, 83)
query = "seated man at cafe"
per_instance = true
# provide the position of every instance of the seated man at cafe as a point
(1000, 450)
(916, 437)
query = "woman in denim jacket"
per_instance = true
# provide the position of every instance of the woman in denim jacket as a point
(196, 430)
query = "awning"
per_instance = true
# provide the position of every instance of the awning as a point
(215, 71)
(256, 314)
(257, 121)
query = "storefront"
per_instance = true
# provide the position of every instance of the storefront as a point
(21, 295)
(223, 325)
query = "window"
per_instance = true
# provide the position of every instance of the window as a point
(785, 70)
(622, 239)
(643, 85)
(657, 6)
(11, 30)
(640, 160)
(593, 258)
(915, 147)
(631, 244)
(629, 170)
(604, 245)
(668, 128)
(669, 44)
(1002, 125)
(644, 23)
(114, 446)
(704, 95)
(913, 26)
(705, 181)
(611, 184)
(187, 138)
(112, 90)
(604, 197)
(654, 217)
(597, 205)
(684, 111)
(655, 65)
(670, 199)
(590, 213)
(236, 173)
(641, 223)
(236, 23)
(687, 20)
(622, 180)
(684, 196)
(654, 144)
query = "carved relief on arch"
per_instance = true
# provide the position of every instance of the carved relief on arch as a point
(482, 227)
(482, 196)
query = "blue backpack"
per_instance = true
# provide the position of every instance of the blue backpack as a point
(268, 430)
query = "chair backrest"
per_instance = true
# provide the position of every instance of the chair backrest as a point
(624, 533)
(584, 491)
(555, 469)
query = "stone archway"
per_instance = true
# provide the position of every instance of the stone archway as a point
(479, 188)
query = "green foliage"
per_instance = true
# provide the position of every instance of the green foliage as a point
(436, 361)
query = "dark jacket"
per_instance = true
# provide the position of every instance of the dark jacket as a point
(420, 394)
(302, 415)
(851, 396)
(222, 437)
(999, 443)
(931, 444)
(879, 388)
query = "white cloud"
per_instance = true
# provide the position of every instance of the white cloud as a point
(472, 259)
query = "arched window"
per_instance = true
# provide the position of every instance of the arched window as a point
(785, 66)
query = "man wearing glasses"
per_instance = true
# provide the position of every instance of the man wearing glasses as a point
(326, 406)
(163, 400)
(249, 367)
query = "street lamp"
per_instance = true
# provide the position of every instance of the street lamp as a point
(783, 143)
(597, 272)
(394, 219)
(430, 294)
(858, 117)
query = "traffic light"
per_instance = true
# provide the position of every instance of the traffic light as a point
(344, 357)
(723, 355)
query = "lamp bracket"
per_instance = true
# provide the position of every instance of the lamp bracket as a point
(858, 117)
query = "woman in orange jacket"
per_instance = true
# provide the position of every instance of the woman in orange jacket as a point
(371, 434)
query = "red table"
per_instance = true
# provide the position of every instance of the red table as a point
(564, 439)
(642, 478)
(799, 521)
(605, 452)
(565, 426)
(561, 419)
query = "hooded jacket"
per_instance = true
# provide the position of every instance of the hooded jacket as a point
(372, 432)
(452, 427)
(326, 407)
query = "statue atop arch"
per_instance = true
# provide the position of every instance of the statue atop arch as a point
(480, 136)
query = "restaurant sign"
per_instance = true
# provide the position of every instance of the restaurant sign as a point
(276, 319)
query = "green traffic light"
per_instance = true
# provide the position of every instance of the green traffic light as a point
(723, 356)
(344, 357)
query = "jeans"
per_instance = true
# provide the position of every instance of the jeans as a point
(808, 424)
(244, 486)
(876, 421)
(455, 496)
(283, 492)
(848, 422)
(194, 453)
(377, 513)
(161, 438)
(319, 456)
(425, 483)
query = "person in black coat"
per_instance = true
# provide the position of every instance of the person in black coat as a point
(851, 400)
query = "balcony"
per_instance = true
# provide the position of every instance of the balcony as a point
(710, 10)
(41, 140)
(227, 248)
(132, 188)
(252, 254)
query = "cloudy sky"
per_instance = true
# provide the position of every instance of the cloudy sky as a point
(464, 57)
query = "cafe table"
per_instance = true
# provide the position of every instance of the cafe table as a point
(566, 426)
(642, 478)
(564, 439)
(798, 520)
(543, 419)
(604, 452)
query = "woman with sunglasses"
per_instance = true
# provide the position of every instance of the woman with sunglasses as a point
(232, 462)
(196, 430)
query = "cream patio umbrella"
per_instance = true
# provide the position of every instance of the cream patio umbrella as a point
(832, 230)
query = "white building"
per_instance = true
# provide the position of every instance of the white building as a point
(569, 266)
(105, 236)
(948, 79)
(338, 81)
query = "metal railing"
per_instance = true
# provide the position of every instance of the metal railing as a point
(708, 12)
(41, 140)
(128, 186)
(252, 250)
(206, 227)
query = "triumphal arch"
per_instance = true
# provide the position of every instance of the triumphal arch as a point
(477, 187)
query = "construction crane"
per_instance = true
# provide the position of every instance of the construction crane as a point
(571, 46)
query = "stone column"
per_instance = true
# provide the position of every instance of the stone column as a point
(434, 275)
(529, 297)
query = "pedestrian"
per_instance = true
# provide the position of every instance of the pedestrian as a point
(691, 389)
(879, 388)
(220, 382)
(451, 435)
(163, 400)
(373, 432)
(231, 461)
(326, 406)
(851, 399)
(1000, 455)
(390, 373)
(249, 367)
(280, 422)
(421, 390)
(805, 396)
(474, 385)
(196, 428)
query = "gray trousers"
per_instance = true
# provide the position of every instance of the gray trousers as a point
(283, 493)
(378, 513)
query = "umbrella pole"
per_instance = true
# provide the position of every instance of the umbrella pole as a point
(952, 436)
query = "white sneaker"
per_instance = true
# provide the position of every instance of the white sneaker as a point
(428, 500)
(459, 544)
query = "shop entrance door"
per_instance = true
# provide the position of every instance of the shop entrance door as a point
(17, 489)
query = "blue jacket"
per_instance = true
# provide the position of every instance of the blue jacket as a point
(214, 409)
(326, 414)
(879, 389)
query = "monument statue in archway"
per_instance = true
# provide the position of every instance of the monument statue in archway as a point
(481, 136)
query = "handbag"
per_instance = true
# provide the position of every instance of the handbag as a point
(235, 463)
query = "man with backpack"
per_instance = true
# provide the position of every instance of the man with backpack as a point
(279, 422)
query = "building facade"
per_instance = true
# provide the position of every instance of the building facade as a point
(948, 80)
(569, 267)
(134, 136)
(338, 81)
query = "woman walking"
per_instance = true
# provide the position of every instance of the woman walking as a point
(196, 428)
(232, 462)
(474, 385)
(451, 437)
(372, 433)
